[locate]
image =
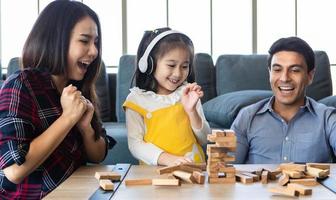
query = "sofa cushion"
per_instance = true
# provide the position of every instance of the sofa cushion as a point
(120, 152)
(322, 83)
(205, 75)
(103, 94)
(124, 79)
(329, 101)
(241, 72)
(223, 109)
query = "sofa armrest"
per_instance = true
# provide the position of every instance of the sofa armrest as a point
(120, 152)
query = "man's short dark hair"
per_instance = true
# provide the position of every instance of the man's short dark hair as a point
(293, 44)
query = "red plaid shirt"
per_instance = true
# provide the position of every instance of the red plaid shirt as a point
(29, 104)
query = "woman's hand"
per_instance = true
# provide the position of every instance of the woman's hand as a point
(85, 121)
(73, 104)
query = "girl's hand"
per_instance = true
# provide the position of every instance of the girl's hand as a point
(72, 104)
(190, 95)
(85, 121)
(182, 160)
(170, 159)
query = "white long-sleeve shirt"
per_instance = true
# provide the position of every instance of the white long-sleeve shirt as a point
(145, 151)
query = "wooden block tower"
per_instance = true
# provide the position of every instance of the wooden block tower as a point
(219, 171)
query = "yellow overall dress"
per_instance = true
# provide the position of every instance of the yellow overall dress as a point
(169, 128)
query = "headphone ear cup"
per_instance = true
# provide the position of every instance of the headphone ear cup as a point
(150, 65)
(142, 65)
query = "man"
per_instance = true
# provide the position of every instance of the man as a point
(289, 126)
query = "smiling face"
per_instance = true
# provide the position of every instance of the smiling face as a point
(289, 78)
(172, 70)
(83, 48)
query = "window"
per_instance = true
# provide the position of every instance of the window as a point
(109, 12)
(143, 15)
(192, 17)
(232, 27)
(316, 25)
(275, 19)
(16, 23)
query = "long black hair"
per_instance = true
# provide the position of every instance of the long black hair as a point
(47, 46)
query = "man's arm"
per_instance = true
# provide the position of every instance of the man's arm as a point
(239, 126)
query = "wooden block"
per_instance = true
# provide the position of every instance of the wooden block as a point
(229, 139)
(212, 148)
(304, 181)
(108, 175)
(300, 188)
(230, 175)
(319, 165)
(201, 166)
(229, 132)
(293, 167)
(166, 182)
(316, 172)
(221, 180)
(283, 180)
(213, 174)
(218, 133)
(284, 191)
(168, 169)
(264, 177)
(273, 174)
(227, 169)
(226, 144)
(222, 159)
(199, 177)
(185, 176)
(189, 169)
(217, 155)
(258, 171)
(130, 182)
(243, 178)
(293, 174)
(106, 184)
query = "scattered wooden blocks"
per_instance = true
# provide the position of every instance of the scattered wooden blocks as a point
(316, 172)
(199, 177)
(108, 175)
(166, 182)
(255, 177)
(185, 176)
(130, 182)
(293, 167)
(284, 179)
(293, 173)
(264, 177)
(243, 178)
(304, 181)
(106, 184)
(300, 188)
(284, 191)
(168, 169)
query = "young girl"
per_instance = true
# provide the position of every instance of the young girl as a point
(48, 128)
(164, 116)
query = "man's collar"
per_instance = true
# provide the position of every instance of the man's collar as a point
(269, 103)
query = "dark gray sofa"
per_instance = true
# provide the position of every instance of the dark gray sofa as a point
(232, 83)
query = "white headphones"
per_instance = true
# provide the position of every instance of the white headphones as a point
(143, 62)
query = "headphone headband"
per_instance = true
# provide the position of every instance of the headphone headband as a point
(143, 61)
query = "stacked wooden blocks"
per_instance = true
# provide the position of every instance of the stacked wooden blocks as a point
(219, 171)
(295, 178)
